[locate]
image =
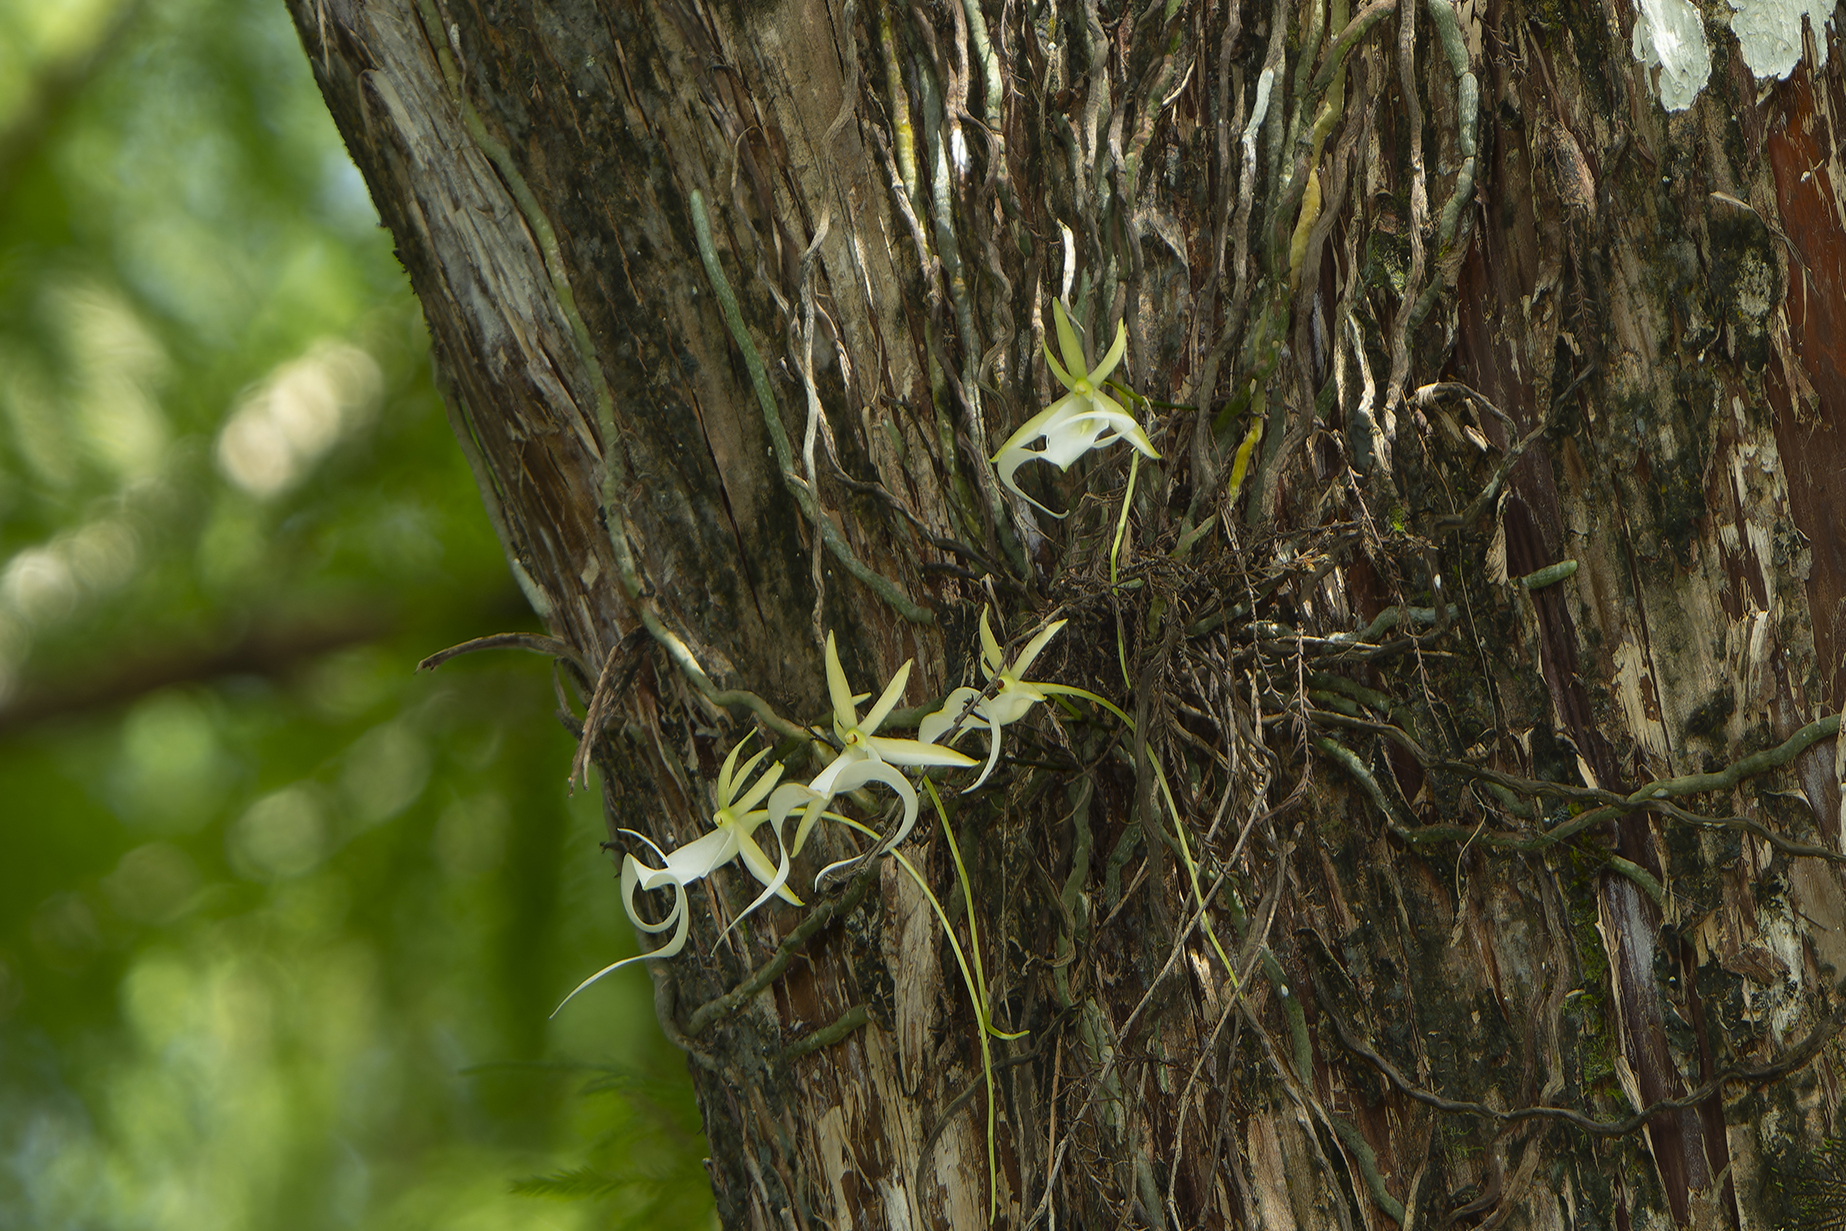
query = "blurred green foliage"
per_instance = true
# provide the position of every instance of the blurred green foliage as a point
(280, 920)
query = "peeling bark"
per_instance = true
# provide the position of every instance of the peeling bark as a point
(1474, 306)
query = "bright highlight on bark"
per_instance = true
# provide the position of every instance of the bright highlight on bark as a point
(1085, 418)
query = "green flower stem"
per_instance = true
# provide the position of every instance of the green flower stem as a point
(1076, 929)
(1160, 776)
(980, 1007)
(884, 587)
(1115, 551)
(1071, 690)
(1121, 523)
(980, 1013)
(967, 894)
(1192, 871)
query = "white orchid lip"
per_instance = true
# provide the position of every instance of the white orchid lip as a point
(1011, 700)
(865, 757)
(1084, 418)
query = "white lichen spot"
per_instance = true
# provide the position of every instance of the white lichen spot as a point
(1762, 549)
(1670, 35)
(1634, 688)
(1755, 288)
(1779, 936)
(1769, 33)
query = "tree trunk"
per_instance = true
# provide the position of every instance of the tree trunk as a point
(1455, 335)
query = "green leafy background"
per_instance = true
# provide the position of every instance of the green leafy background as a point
(280, 920)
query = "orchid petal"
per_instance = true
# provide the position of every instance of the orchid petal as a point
(775, 878)
(1071, 440)
(637, 874)
(703, 855)
(792, 795)
(1116, 350)
(991, 655)
(725, 775)
(762, 787)
(632, 873)
(727, 789)
(1057, 369)
(1005, 465)
(954, 706)
(914, 752)
(1034, 427)
(823, 781)
(1034, 647)
(894, 692)
(670, 949)
(838, 690)
(1127, 429)
(861, 773)
(755, 861)
(1012, 704)
(993, 751)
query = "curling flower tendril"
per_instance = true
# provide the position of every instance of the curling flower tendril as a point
(734, 822)
(1085, 418)
(1010, 702)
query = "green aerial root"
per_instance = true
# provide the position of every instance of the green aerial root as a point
(835, 1032)
(1368, 1167)
(880, 585)
(1655, 797)
(1468, 106)
(715, 1010)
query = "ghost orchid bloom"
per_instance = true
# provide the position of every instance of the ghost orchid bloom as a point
(1010, 702)
(1085, 418)
(734, 824)
(865, 757)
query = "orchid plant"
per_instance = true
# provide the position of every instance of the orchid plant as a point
(864, 757)
(1012, 698)
(1085, 418)
(734, 822)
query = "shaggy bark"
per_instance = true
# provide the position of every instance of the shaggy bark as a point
(1540, 389)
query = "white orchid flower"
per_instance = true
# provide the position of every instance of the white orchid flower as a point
(1085, 418)
(865, 757)
(1010, 702)
(734, 821)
